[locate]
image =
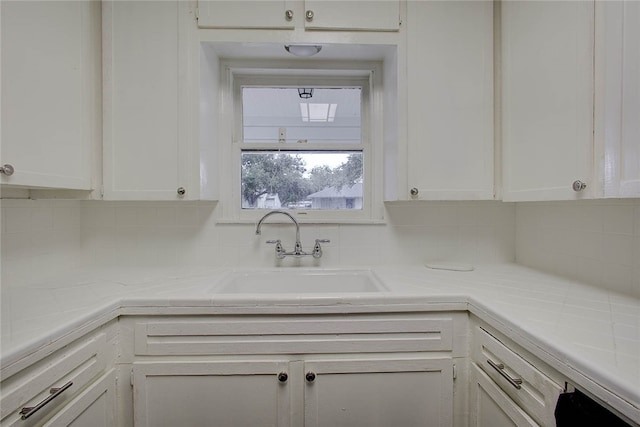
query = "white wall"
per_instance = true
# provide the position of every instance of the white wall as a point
(596, 242)
(41, 238)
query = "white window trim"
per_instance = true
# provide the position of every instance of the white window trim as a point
(316, 74)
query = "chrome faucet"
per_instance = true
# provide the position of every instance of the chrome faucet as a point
(297, 250)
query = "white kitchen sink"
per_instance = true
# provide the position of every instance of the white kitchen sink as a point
(297, 281)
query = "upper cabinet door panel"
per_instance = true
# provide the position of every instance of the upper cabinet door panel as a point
(144, 134)
(360, 15)
(50, 92)
(547, 99)
(450, 99)
(245, 14)
(619, 63)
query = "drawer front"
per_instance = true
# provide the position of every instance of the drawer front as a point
(78, 364)
(296, 334)
(536, 393)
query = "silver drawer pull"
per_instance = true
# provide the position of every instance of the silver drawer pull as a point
(500, 368)
(27, 411)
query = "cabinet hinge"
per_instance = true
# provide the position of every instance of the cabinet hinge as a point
(131, 378)
(455, 371)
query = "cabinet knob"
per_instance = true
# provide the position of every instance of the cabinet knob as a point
(309, 15)
(578, 185)
(310, 377)
(283, 377)
(181, 191)
(7, 170)
(414, 192)
(288, 15)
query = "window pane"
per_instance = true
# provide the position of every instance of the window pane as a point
(302, 180)
(315, 115)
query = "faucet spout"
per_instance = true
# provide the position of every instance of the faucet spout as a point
(288, 215)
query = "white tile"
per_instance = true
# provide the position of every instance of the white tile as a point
(17, 220)
(42, 219)
(618, 249)
(618, 219)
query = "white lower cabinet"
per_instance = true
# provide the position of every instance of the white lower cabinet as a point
(314, 371)
(226, 393)
(349, 391)
(378, 393)
(509, 388)
(492, 407)
(74, 386)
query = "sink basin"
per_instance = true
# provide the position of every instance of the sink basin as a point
(300, 281)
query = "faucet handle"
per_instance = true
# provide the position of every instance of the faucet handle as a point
(317, 249)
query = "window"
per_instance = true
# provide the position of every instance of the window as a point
(302, 142)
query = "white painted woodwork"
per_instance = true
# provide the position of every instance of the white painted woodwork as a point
(376, 15)
(618, 96)
(450, 99)
(359, 15)
(192, 393)
(492, 407)
(547, 99)
(538, 393)
(146, 121)
(94, 407)
(244, 14)
(275, 335)
(50, 92)
(80, 363)
(379, 392)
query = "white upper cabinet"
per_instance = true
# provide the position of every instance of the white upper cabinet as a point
(147, 131)
(450, 100)
(376, 15)
(618, 96)
(245, 14)
(50, 92)
(547, 99)
(358, 15)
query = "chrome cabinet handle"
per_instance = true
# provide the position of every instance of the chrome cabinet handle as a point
(7, 170)
(288, 15)
(181, 191)
(283, 377)
(309, 15)
(27, 411)
(500, 368)
(414, 191)
(310, 377)
(578, 185)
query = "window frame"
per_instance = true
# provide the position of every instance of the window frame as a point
(364, 75)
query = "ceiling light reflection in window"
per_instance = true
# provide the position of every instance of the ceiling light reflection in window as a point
(317, 112)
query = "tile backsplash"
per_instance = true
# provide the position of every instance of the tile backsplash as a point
(41, 237)
(594, 241)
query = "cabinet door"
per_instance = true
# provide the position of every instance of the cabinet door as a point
(245, 393)
(145, 109)
(50, 92)
(491, 407)
(95, 407)
(619, 64)
(376, 15)
(245, 14)
(379, 393)
(450, 99)
(547, 99)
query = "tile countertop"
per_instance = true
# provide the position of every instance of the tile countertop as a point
(590, 335)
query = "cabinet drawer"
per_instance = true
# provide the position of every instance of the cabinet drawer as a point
(77, 364)
(530, 388)
(294, 334)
